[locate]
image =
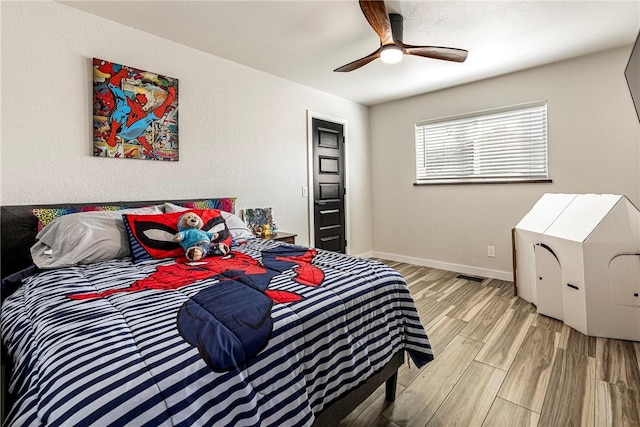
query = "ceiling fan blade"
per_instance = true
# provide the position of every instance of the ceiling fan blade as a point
(377, 16)
(358, 62)
(435, 52)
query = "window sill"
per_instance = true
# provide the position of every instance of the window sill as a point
(456, 182)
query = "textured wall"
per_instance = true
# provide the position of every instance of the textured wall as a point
(594, 147)
(242, 132)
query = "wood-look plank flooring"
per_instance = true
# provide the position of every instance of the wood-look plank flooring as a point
(500, 363)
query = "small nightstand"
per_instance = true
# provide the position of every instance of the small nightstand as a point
(282, 237)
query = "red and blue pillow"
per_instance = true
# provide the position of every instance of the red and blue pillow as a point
(151, 236)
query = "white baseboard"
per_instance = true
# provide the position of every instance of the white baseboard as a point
(458, 268)
(366, 255)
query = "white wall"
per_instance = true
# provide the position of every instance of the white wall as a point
(594, 146)
(242, 132)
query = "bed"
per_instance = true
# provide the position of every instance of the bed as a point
(269, 334)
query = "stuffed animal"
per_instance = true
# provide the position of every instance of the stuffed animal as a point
(197, 243)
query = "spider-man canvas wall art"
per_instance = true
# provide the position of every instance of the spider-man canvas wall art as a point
(135, 113)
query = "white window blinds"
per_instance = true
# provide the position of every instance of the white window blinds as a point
(508, 144)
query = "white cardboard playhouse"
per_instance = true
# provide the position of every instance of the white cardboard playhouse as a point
(578, 260)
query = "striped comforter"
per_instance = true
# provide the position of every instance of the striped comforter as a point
(116, 343)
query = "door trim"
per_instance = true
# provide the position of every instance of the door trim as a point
(310, 207)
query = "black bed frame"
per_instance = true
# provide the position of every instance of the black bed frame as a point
(18, 228)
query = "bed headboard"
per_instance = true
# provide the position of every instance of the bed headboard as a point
(19, 226)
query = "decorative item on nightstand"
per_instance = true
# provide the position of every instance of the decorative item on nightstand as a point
(260, 222)
(257, 218)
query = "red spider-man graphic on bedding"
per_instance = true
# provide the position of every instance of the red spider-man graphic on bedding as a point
(230, 322)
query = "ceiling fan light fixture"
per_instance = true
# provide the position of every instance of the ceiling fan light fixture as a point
(392, 48)
(391, 54)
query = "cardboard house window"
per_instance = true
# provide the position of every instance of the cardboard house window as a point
(495, 146)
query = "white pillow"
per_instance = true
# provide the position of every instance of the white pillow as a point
(83, 238)
(237, 227)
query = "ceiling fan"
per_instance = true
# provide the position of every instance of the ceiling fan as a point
(389, 28)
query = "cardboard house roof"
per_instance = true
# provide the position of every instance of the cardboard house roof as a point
(575, 216)
(583, 215)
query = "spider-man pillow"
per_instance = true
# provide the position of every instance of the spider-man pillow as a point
(151, 236)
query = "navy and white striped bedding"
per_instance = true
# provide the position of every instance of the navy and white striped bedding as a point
(118, 359)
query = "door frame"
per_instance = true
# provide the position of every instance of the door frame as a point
(310, 206)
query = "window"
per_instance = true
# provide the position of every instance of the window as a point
(502, 145)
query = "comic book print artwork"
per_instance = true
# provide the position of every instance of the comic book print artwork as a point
(135, 113)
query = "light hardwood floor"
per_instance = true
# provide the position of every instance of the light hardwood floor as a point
(500, 363)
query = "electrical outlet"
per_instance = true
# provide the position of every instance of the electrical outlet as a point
(491, 251)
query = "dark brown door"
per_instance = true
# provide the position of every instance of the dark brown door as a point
(328, 185)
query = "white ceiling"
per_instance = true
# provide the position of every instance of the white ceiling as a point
(304, 40)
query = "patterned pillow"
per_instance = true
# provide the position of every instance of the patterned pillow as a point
(151, 236)
(46, 215)
(226, 204)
